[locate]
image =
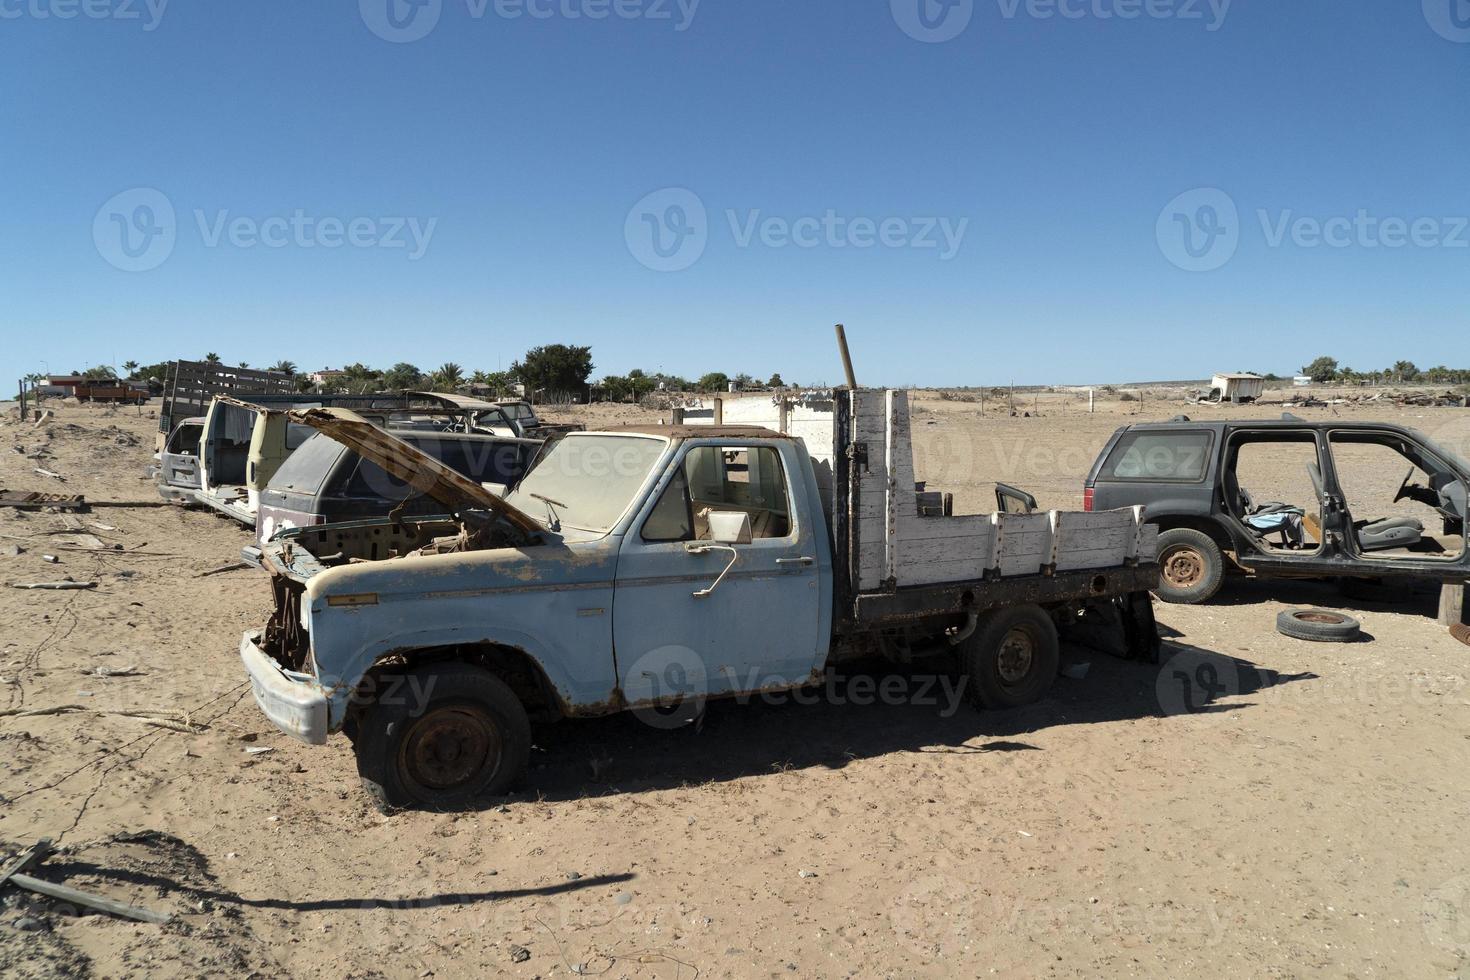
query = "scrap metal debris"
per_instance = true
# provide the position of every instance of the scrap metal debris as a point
(1400, 399)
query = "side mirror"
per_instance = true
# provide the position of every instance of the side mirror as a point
(729, 527)
(1013, 500)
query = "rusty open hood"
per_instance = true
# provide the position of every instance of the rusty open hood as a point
(410, 464)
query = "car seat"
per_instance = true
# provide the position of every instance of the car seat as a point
(1392, 532)
(1381, 535)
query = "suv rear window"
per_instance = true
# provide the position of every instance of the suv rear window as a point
(1157, 456)
(482, 460)
(307, 467)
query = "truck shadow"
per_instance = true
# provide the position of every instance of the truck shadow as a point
(1412, 598)
(833, 725)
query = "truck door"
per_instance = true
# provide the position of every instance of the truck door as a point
(224, 450)
(719, 584)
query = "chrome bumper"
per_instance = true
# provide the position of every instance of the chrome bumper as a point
(293, 702)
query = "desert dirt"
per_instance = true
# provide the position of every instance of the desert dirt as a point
(1302, 813)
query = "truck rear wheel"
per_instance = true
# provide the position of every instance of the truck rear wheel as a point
(1191, 566)
(1012, 657)
(451, 733)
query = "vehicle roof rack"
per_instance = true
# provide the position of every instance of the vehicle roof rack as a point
(1288, 417)
(1181, 418)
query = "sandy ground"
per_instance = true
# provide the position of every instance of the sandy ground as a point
(1301, 813)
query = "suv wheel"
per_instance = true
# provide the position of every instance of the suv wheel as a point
(1191, 565)
(467, 736)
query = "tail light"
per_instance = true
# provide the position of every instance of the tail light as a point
(1087, 498)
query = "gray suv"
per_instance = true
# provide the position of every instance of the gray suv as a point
(1188, 476)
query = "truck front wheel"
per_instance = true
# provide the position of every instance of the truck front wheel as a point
(448, 734)
(1012, 657)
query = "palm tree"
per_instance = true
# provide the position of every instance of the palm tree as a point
(449, 376)
(284, 367)
(131, 367)
(211, 358)
(244, 364)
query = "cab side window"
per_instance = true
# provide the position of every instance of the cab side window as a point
(671, 519)
(722, 478)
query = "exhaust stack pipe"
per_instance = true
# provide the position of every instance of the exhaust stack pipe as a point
(846, 358)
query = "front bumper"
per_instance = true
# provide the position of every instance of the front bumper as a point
(176, 495)
(293, 702)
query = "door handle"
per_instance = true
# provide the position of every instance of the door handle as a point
(705, 549)
(803, 560)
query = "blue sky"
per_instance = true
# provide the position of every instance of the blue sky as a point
(993, 191)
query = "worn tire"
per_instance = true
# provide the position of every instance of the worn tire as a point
(1320, 625)
(1191, 566)
(469, 737)
(1012, 657)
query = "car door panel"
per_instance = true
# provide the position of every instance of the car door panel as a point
(757, 629)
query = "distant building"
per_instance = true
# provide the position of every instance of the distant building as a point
(326, 377)
(1302, 381)
(1237, 388)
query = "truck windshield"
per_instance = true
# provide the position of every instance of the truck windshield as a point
(588, 481)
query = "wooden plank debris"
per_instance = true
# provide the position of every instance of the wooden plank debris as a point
(35, 500)
(54, 586)
(231, 567)
(1453, 610)
(12, 874)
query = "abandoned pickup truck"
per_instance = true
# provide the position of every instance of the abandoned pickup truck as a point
(650, 568)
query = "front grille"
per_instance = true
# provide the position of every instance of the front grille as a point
(285, 638)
